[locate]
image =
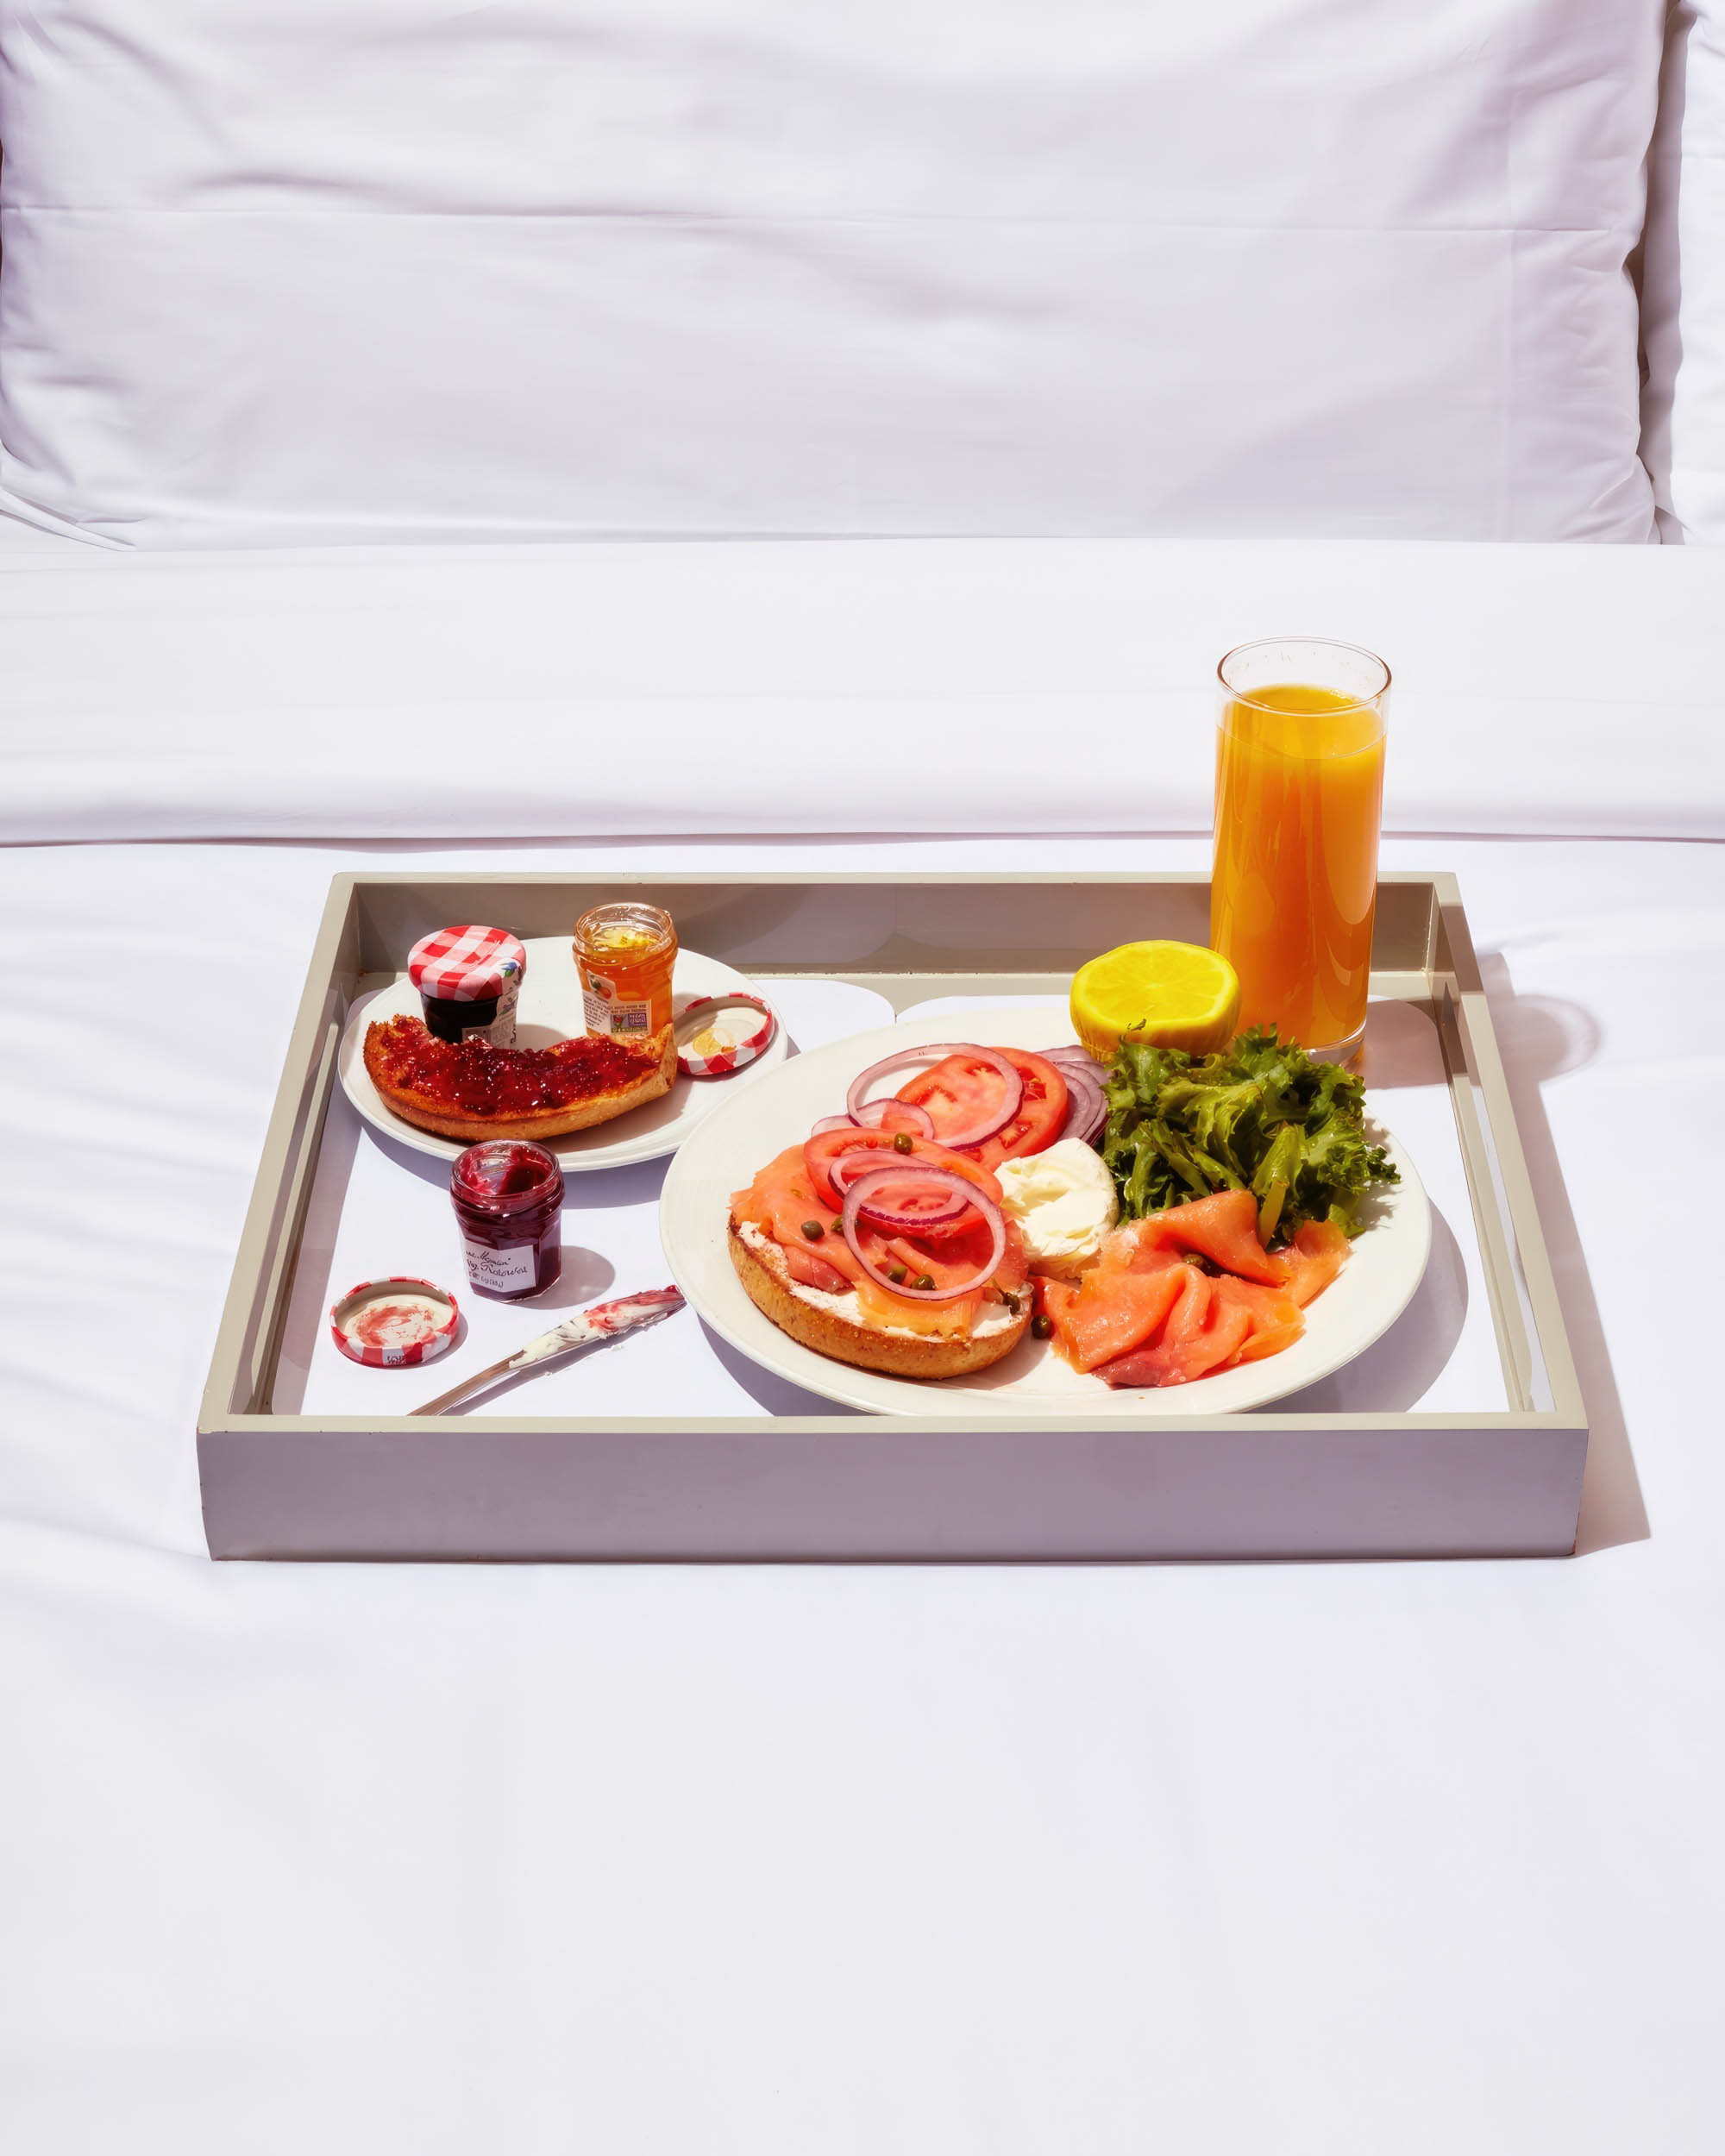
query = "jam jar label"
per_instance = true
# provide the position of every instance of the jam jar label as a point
(500, 1032)
(504, 1271)
(606, 1012)
(503, 1025)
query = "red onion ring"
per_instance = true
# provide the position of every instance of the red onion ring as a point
(897, 1221)
(855, 1199)
(889, 1115)
(933, 1053)
(1085, 1074)
(1087, 1113)
(867, 1161)
(1089, 1080)
(904, 1115)
(843, 1171)
(1094, 1125)
(1087, 1107)
(1085, 1119)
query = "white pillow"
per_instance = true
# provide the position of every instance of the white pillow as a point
(1684, 280)
(280, 271)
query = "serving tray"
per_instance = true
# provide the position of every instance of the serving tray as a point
(669, 1446)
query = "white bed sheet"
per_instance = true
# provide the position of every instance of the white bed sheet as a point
(1304, 1858)
(1005, 685)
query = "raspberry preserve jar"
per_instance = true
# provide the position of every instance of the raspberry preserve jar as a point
(508, 1197)
(469, 979)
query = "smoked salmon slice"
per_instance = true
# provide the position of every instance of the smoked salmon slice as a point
(1109, 1312)
(811, 1271)
(1319, 1252)
(1223, 1228)
(1249, 1309)
(1203, 1331)
(1276, 1322)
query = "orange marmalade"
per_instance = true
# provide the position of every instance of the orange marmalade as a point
(624, 954)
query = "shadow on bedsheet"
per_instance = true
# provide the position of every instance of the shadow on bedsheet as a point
(1541, 1038)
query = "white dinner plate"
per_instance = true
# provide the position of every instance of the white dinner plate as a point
(550, 1010)
(724, 1155)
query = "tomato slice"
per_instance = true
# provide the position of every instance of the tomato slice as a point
(821, 1151)
(958, 1092)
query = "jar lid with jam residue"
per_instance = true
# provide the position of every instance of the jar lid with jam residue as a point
(718, 1034)
(394, 1323)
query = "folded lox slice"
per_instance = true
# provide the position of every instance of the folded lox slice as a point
(1204, 1331)
(1144, 1315)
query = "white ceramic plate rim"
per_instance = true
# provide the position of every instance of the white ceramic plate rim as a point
(1376, 1285)
(607, 1145)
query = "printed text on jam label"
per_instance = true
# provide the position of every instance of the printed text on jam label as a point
(615, 1018)
(501, 1271)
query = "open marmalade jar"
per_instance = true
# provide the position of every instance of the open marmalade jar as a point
(624, 954)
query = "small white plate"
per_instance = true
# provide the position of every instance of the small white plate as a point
(550, 1010)
(1374, 1287)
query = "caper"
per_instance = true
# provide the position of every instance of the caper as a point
(1042, 1328)
(814, 1229)
(1011, 1301)
(898, 1276)
(839, 1227)
(924, 1280)
(901, 1142)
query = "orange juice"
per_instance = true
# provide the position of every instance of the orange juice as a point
(1298, 793)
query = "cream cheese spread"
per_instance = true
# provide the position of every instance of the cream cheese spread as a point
(1065, 1202)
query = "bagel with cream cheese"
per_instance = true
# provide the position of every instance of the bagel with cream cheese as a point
(833, 1325)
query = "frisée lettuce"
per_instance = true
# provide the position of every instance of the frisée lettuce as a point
(1258, 1115)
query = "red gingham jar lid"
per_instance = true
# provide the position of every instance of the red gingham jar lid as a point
(706, 1050)
(394, 1323)
(465, 965)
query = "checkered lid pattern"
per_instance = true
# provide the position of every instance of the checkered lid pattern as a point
(465, 965)
(692, 1023)
(401, 1353)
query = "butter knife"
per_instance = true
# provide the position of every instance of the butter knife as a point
(599, 1323)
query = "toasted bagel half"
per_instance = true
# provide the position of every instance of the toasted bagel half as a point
(813, 1323)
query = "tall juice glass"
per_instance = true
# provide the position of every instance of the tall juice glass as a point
(1299, 797)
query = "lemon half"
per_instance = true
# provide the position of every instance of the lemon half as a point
(1175, 995)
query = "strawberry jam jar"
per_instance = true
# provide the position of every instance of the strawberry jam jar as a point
(508, 1197)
